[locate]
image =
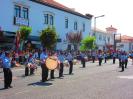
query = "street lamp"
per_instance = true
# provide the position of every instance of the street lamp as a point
(95, 23)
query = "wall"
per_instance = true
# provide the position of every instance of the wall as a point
(36, 19)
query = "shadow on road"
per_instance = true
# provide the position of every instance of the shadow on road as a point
(40, 84)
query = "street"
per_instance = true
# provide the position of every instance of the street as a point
(92, 82)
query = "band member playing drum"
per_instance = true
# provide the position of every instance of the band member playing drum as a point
(43, 57)
(61, 58)
(70, 60)
(54, 55)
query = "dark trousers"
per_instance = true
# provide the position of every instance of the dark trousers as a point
(7, 77)
(32, 71)
(126, 61)
(105, 60)
(26, 71)
(52, 74)
(71, 67)
(122, 65)
(113, 60)
(44, 72)
(83, 63)
(100, 61)
(93, 59)
(119, 63)
(61, 69)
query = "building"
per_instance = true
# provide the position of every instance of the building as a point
(126, 43)
(40, 14)
(105, 39)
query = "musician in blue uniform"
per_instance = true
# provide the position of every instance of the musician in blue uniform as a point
(114, 55)
(6, 63)
(119, 57)
(70, 60)
(100, 58)
(126, 59)
(122, 61)
(105, 57)
(61, 58)
(43, 57)
(83, 59)
(93, 56)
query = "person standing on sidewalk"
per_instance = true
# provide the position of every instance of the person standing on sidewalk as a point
(6, 63)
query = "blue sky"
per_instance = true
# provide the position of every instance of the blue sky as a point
(118, 13)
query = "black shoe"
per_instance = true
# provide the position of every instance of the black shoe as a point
(10, 86)
(71, 73)
(5, 87)
(52, 77)
(121, 70)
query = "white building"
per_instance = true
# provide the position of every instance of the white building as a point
(104, 39)
(126, 43)
(40, 14)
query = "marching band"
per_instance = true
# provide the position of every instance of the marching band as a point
(56, 60)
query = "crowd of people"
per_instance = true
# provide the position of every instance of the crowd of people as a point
(32, 59)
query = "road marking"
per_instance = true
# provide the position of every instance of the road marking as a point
(126, 77)
(22, 92)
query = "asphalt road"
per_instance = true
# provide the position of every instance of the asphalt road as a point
(92, 82)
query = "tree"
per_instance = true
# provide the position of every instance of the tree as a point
(24, 33)
(48, 38)
(74, 38)
(88, 44)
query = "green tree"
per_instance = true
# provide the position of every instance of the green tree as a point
(88, 43)
(24, 33)
(48, 38)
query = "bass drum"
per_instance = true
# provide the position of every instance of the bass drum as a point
(51, 63)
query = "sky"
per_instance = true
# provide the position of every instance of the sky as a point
(118, 13)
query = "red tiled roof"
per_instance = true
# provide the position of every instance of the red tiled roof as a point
(126, 38)
(60, 6)
(55, 3)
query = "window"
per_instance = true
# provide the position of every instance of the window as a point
(100, 37)
(108, 39)
(51, 19)
(83, 27)
(66, 22)
(48, 19)
(17, 11)
(21, 15)
(25, 13)
(75, 26)
(21, 12)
